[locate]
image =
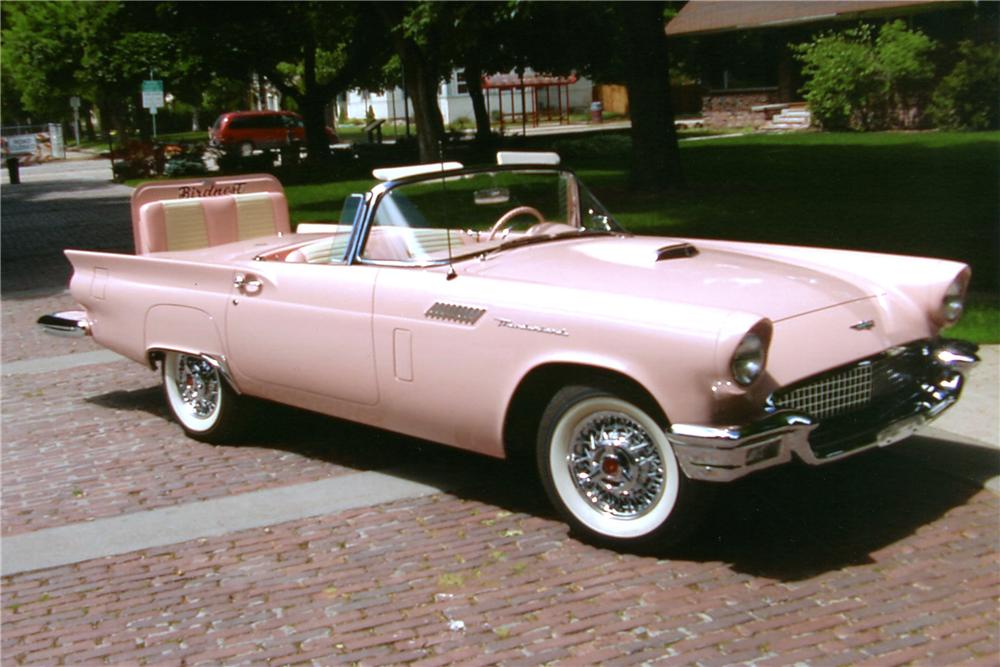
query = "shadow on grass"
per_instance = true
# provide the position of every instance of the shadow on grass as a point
(788, 524)
(932, 195)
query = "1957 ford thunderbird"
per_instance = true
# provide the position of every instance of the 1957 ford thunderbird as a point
(503, 310)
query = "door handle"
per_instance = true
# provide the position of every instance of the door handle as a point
(247, 283)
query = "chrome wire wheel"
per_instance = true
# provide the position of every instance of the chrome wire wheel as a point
(608, 467)
(194, 391)
(615, 465)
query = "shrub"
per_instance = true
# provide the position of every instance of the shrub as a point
(857, 79)
(968, 97)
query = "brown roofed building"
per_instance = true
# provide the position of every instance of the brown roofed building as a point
(748, 73)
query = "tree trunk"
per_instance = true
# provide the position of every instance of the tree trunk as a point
(655, 153)
(421, 79)
(313, 104)
(86, 113)
(474, 82)
(422, 86)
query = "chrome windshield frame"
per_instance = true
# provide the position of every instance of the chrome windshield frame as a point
(366, 213)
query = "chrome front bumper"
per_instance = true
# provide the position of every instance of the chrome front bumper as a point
(722, 454)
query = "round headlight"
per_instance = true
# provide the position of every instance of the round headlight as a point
(953, 303)
(748, 359)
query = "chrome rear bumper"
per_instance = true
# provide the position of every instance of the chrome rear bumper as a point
(73, 323)
(722, 454)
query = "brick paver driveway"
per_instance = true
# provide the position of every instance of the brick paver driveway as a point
(890, 558)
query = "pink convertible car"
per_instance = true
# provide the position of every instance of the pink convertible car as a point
(503, 310)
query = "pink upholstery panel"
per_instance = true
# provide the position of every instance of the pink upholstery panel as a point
(152, 231)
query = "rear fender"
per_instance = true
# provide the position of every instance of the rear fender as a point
(137, 304)
(182, 329)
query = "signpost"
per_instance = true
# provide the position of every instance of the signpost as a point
(152, 97)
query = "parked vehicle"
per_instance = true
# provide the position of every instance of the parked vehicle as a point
(503, 309)
(247, 131)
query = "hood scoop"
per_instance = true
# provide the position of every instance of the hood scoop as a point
(676, 251)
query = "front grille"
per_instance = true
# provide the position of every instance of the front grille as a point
(831, 395)
(854, 401)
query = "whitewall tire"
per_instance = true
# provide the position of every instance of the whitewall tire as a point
(199, 398)
(610, 471)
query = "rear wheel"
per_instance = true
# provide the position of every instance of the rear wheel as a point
(199, 398)
(610, 471)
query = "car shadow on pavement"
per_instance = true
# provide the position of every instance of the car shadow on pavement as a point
(795, 522)
(788, 524)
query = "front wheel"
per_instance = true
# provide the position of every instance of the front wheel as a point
(610, 471)
(199, 398)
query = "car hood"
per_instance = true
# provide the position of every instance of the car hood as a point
(715, 276)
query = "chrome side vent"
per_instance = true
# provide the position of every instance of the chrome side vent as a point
(454, 313)
(676, 251)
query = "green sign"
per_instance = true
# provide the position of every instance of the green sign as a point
(152, 93)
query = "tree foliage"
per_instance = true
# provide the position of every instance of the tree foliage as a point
(208, 54)
(42, 48)
(866, 79)
(309, 51)
(968, 97)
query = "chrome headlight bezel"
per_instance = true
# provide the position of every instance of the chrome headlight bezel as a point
(953, 302)
(749, 359)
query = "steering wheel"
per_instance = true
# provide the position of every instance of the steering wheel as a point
(507, 217)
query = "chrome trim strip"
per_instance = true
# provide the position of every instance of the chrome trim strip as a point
(69, 323)
(454, 313)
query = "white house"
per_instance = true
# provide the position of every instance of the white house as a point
(455, 103)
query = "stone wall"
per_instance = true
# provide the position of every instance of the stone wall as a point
(732, 108)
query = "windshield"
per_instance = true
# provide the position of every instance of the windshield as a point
(424, 221)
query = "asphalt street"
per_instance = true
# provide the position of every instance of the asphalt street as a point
(321, 542)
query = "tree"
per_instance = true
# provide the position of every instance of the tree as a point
(484, 41)
(99, 51)
(866, 79)
(415, 30)
(433, 38)
(968, 97)
(615, 42)
(41, 51)
(655, 152)
(309, 51)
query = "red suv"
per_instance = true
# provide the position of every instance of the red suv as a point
(246, 131)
